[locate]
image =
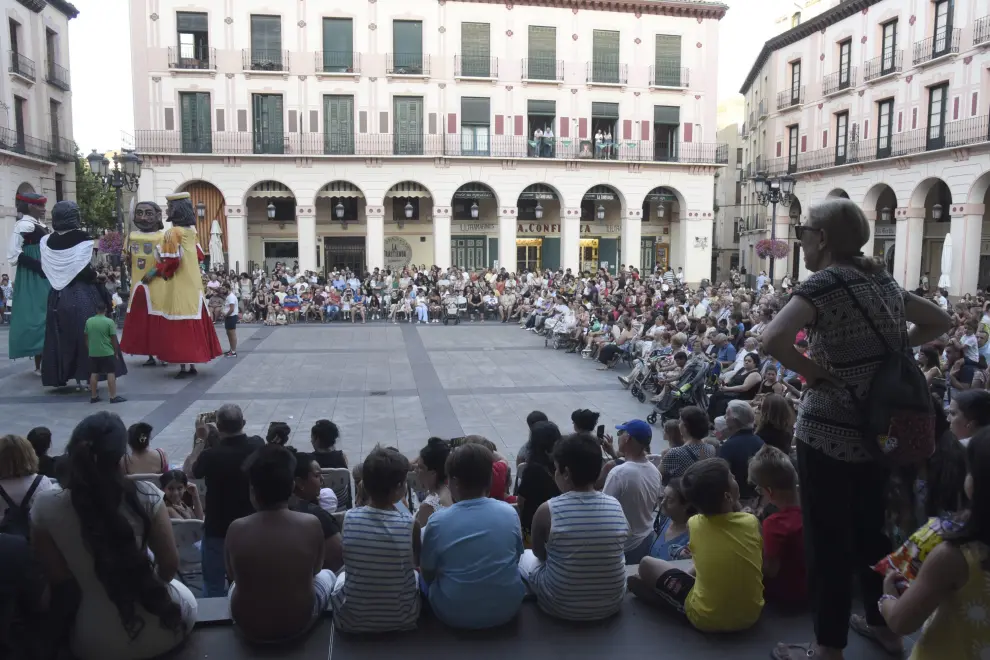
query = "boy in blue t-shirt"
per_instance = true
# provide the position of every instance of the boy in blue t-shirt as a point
(470, 552)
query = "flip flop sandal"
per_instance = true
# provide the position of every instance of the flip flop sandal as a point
(793, 652)
(861, 627)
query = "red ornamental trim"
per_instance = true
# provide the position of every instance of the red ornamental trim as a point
(508, 33)
(967, 59)
(909, 79)
(636, 93)
(861, 92)
(508, 6)
(698, 44)
(821, 105)
(638, 41)
(912, 20)
(574, 37)
(697, 97)
(372, 27)
(508, 88)
(863, 40)
(822, 57)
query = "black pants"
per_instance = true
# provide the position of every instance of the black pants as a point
(843, 512)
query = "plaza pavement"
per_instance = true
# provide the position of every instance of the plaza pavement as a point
(381, 383)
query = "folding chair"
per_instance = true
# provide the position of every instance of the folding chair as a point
(188, 534)
(339, 479)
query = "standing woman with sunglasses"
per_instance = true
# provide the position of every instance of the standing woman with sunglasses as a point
(845, 304)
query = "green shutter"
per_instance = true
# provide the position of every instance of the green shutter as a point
(407, 44)
(190, 22)
(493, 253)
(667, 114)
(475, 111)
(476, 50)
(608, 250)
(338, 45)
(605, 56)
(601, 110)
(268, 127)
(194, 108)
(668, 61)
(542, 63)
(551, 253)
(408, 113)
(338, 124)
(541, 108)
(266, 36)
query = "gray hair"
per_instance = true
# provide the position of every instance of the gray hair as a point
(230, 418)
(739, 415)
(846, 229)
(721, 425)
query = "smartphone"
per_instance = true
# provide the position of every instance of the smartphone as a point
(207, 417)
(601, 431)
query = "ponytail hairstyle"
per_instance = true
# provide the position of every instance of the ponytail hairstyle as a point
(139, 436)
(99, 491)
(847, 230)
(434, 458)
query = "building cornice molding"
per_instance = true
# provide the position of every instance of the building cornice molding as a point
(699, 9)
(803, 31)
(66, 8)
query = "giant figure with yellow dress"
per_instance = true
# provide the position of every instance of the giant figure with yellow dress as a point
(167, 316)
(140, 246)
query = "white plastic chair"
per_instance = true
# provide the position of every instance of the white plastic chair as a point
(339, 479)
(188, 535)
(150, 478)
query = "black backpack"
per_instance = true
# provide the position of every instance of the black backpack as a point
(16, 519)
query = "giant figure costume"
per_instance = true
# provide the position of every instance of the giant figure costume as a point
(75, 296)
(27, 320)
(140, 246)
(173, 323)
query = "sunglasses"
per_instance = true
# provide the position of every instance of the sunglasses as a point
(801, 230)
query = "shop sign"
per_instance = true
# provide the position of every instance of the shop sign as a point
(476, 228)
(538, 195)
(884, 231)
(554, 228)
(599, 197)
(398, 252)
(473, 194)
(661, 197)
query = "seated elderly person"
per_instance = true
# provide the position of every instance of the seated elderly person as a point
(741, 445)
(744, 386)
(750, 345)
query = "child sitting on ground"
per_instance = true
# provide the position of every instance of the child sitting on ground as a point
(577, 566)
(723, 591)
(784, 574)
(672, 542)
(471, 549)
(377, 591)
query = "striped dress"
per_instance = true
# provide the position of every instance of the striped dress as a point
(584, 576)
(377, 591)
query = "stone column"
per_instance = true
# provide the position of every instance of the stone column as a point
(508, 219)
(967, 234)
(907, 247)
(696, 236)
(675, 255)
(570, 239)
(871, 219)
(441, 237)
(374, 245)
(306, 235)
(237, 239)
(632, 233)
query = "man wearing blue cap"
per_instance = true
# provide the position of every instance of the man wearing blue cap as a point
(636, 484)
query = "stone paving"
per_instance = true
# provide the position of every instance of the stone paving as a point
(381, 383)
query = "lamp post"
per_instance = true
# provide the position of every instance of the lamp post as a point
(538, 211)
(601, 212)
(885, 214)
(271, 210)
(125, 173)
(474, 211)
(774, 191)
(200, 210)
(339, 212)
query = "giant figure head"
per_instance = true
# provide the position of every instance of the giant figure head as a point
(31, 204)
(148, 217)
(180, 210)
(66, 216)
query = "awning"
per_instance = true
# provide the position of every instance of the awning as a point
(474, 191)
(270, 190)
(600, 194)
(538, 191)
(339, 189)
(407, 189)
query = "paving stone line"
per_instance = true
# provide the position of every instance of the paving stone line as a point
(439, 413)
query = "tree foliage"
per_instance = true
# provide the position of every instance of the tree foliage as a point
(96, 203)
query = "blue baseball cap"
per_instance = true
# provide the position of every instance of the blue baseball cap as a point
(638, 430)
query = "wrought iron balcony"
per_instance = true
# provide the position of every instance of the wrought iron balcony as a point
(265, 60)
(58, 76)
(607, 72)
(475, 66)
(543, 68)
(195, 59)
(790, 98)
(839, 81)
(63, 149)
(882, 66)
(22, 66)
(981, 31)
(407, 64)
(338, 61)
(670, 75)
(938, 46)
(12, 140)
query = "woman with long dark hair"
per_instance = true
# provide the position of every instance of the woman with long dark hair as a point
(98, 533)
(536, 476)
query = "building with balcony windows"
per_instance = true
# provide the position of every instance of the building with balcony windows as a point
(887, 103)
(729, 208)
(525, 134)
(37, 153)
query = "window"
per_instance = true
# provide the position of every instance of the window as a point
(20, 113)
(795, 81)
(338, 124)
(841, 137)
(269, 137)
(338, 45)
(528, 255)
(476, 52)
(407, 46)
(59, 187)
(792, 149)
(542, 62)
(845, 63)
(266, 43)
(605, 56)
(408, 126)
(888, 59)
(937, 101)
(885, 127)
(541, 116)
(668, 61)
(51, 47)
(54, 116)
(666, 132)
(943, 28)
(15, 33)
(796, 19)
(194, 40)
(475, 126)
(604, 120)
(194, 108)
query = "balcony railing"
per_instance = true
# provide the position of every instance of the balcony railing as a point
(11, 140)
(543, 68)
(607, 72)
(764, 110)
(981, 31)
(266, 60)
(931, 48)
(669, 75)
(790, 98)
(410, 144)
(338, 61)
(21, 65)
(58, 76)
(884, 65)
(752, 121)
(195, 59)
(475, 66)
(407, 64)
(63, 149)
(839, 81)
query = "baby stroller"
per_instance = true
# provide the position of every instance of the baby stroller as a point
(451, 312)
(689, 390)
(560, 336)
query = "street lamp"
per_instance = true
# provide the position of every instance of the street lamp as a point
(409, 210)
(339, 212)
(200, 210)
(474, 211)
(538, 211)
(271, 210)
(660, 210)
(125, 174)
(885, 214)
(937, 212)
(601, 212)
(774, 191)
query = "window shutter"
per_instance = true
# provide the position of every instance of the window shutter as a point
(667, 114)
(582, 128)
(804, 143)
(914, 118)
(604, 110)
(169, 119)
(451, 122)
(955, 108)
(293, 127)
(900, 122)
(605, 56)
(363, 121)
(519, 125)
(778, 149)
(866, 129)
(688, 132)
(475, 110)
(407, 41)
(542, 108)
(644, 128)
(314, 121)
(383, 122)
(824, 139)
(338, 124)
(242, 123)
(266, 34)
(499, 125)
(190, 22)
(338, 44)
(565, 127)
(542, 51)
(972, 111)
(476, 49)
(221, 124)
(627, 129)
(668, 60)
(433, 123)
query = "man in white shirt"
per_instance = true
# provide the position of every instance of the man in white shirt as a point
(636, 484)
(942, 300)
(231, 312)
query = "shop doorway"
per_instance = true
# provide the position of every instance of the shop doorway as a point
(468, 253)
(344, 252)
(589, 255)
(529, 254)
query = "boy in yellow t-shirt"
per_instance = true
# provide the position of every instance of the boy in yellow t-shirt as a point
(723, 591)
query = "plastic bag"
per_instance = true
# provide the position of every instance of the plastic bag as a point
(908, 558)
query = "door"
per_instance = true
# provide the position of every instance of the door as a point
(796, 82)
(984, 277)
(589, 256)
(845, 59)
(885, 128)
(338, 124)
(550, 253)
(476, 59)
(195, 118)
(266, 43)
(608, 250)
(408, 138)
(344, 252)
(663, 256)
(841, 137)
(468, 253)
(937, 97)
(943, 29)
(19, 121)
(888, 60)
(269, 137)
(528, 255)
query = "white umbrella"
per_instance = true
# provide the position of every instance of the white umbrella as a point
(943, 279)
(216, 246)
